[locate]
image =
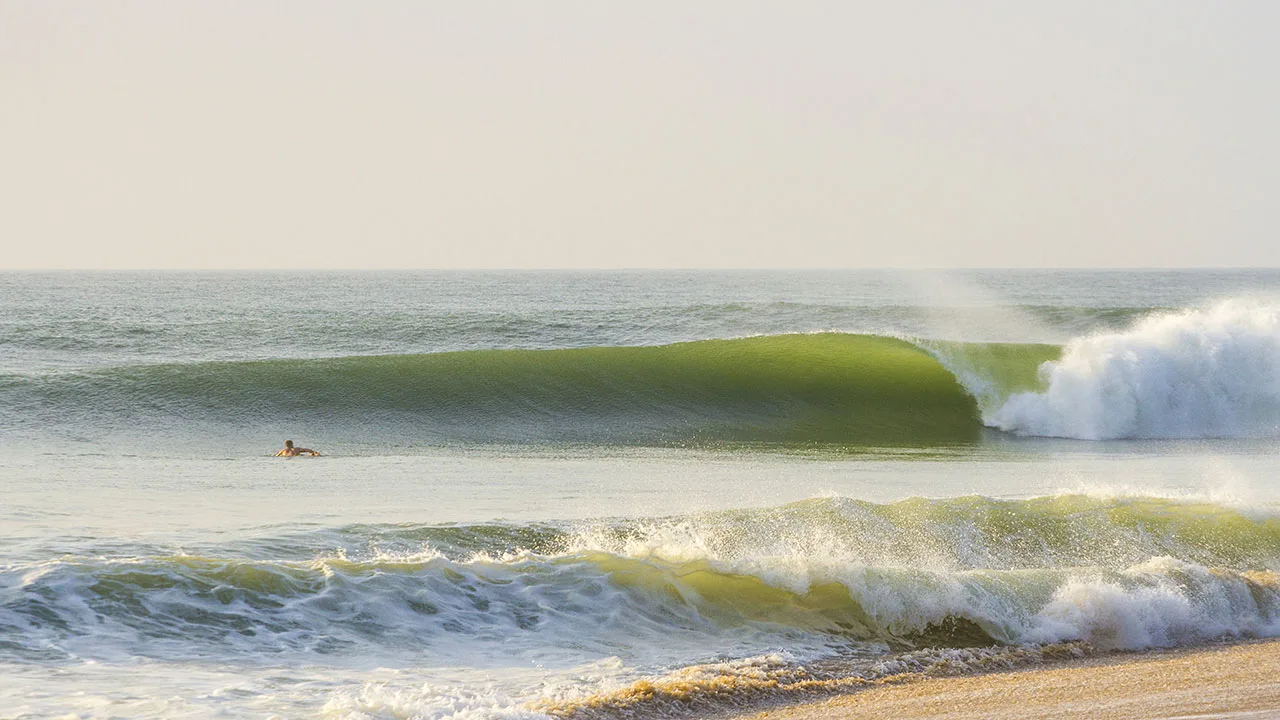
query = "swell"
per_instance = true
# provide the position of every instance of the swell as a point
(819, 388)
(812, 576)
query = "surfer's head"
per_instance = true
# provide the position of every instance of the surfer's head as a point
(288, 443)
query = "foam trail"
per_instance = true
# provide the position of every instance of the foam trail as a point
(1204, 373)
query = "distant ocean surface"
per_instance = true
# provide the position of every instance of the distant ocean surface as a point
(617, 494)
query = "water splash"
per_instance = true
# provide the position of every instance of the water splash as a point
(1203, 373)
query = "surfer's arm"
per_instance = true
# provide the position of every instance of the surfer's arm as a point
(308, 451)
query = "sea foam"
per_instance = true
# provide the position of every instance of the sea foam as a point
(1203, 373)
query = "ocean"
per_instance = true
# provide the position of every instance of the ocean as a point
(617, 494)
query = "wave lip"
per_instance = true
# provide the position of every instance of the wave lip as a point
(1209, 373)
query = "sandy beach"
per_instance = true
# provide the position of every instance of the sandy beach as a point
(1220, 681)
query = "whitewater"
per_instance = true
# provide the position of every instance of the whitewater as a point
(628, 494)
(1198, 373)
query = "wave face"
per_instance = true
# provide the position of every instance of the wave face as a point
(813, 576)
(817, 388)
(1193, 374)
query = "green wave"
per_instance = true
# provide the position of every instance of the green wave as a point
(826, 388)
(823, 388)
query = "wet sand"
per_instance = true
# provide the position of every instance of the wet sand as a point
(1220, 681)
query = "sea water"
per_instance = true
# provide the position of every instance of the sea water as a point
(616, 493)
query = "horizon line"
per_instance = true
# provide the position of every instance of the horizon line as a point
(1072, 268)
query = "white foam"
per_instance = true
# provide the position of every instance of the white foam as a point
(1161, 603)
(1196, 374)
(379, 702)
(1130, 596)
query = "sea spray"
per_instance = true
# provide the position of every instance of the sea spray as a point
(1194, 374)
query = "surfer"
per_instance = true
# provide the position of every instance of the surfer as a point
(290, 451)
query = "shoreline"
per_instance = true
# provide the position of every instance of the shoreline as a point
(1221, 680)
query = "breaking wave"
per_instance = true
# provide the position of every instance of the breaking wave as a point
(812, 576)
(1209, 373)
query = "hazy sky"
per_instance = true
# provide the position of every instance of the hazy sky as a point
(642, 134)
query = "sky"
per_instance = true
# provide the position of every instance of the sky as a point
(655, 134)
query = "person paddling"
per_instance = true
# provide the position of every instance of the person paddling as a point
(290, 451)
